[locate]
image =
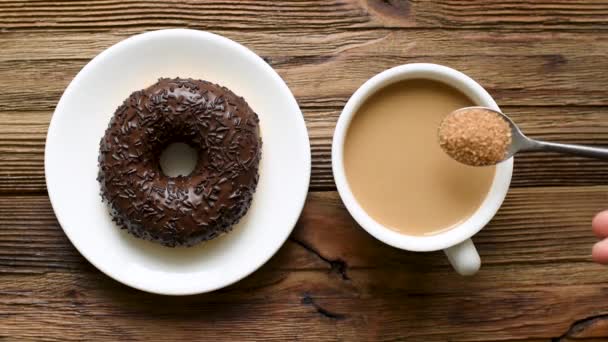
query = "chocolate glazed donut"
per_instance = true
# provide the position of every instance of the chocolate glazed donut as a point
(182, 210)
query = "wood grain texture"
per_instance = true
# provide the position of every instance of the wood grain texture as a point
(323, 70)
(309, 14)
(589, 329)
(23, 134)
(536, 280)
(290, 306)
(535, 226)
(543, 61)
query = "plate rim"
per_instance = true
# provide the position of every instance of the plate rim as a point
(305, 156)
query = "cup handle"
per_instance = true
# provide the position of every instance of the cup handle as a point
(464, 258)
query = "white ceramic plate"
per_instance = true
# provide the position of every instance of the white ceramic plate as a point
(79, 122)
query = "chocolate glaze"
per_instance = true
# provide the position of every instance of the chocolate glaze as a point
(182, 210)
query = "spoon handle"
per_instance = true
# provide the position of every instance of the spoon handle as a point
(578, 150)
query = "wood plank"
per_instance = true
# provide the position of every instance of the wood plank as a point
(45, 65)
(264, 15)
(23, 134)
(299, 306)
(283, 46)
(535, 226)
(323, 69)
(536, 279)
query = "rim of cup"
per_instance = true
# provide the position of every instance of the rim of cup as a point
(456, 234)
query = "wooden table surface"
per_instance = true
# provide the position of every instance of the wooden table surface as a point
(545, 62)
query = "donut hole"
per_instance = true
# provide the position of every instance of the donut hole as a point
(178, 159)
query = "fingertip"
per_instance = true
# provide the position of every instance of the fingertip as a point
(599, 252)
(600, 224)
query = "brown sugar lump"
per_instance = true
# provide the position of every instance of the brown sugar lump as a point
(475, 136)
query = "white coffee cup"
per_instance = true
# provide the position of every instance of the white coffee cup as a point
(455, 242)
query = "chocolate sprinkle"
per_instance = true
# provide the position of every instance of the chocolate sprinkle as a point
(182, 210)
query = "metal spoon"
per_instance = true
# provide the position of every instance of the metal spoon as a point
(520, 142)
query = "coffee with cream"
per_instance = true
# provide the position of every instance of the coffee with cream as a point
(395, 167)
